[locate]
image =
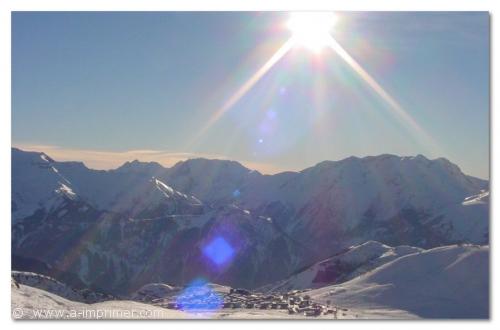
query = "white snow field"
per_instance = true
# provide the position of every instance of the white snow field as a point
(32, 303)
(444, 282)
(357, 260)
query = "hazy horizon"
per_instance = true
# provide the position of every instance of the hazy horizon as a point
(105, 88)
(102, 160)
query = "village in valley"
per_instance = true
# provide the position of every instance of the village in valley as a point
(220, 299)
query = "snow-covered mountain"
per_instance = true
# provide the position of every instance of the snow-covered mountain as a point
(120, 254)
(36, 184)
(384, 198)
(444, 282)
(464, 221)
(142, 223)
(396, 200)
(212, 180)
(342, 267)
(132, 189)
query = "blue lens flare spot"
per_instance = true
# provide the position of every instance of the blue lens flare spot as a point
(271, 114)
(219, 251)
(199, 296)
(236, 193)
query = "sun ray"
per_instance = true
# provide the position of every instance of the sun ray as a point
(394, 105)
(306, 24)
(285, 48)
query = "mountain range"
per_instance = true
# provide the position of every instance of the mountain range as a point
(117, 230)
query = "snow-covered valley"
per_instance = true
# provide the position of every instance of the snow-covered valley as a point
(433, 283)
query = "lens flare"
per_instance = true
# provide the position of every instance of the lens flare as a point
(219, 251)
(198, 296)
(245, 87)
(394, 105)
(311, 29)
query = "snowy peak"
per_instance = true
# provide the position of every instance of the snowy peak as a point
(209, 168)
(36, 183)
(31, 156)
(169, 192)
(153, 198)
(482, 198)
(211, 180)
(152, 168)
(388, 160)
(46, 158)
(66, 191)
(383, 186)
(338, 195)
(40, 182)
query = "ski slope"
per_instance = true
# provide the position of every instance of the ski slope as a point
(444, 282)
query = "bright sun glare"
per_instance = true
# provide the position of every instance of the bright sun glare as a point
(311, 29)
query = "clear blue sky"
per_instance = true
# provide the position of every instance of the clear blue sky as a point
(116, 82)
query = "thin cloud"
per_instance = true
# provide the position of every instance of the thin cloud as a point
(105, 160)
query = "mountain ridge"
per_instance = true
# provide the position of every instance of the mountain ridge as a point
(119, 218)
(217, 160)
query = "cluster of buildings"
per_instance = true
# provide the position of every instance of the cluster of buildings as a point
(292, 302)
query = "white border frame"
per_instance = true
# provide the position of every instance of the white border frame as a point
(6, 6)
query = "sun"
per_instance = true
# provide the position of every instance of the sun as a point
(311, 29)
